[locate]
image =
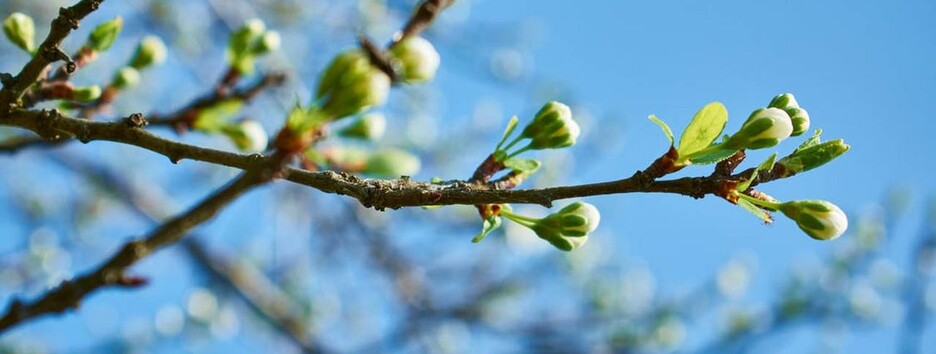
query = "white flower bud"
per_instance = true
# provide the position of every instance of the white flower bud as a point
(552, 128)
(766, 127)
(269, 42)
(820, 219)
(21, 30)
(418, 59)
(798, 115)
(568, 228)
(783, 101)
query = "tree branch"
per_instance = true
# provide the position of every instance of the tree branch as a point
(69, 294)
(378, 194)
(49, 52)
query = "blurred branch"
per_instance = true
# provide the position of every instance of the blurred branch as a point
(920, 266)
(184, 119)
(48, 52)
(259, 292)
(424, 15)
(69, 294)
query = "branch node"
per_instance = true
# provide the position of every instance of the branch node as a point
(136, 120)
(67, 16)
(7, 79)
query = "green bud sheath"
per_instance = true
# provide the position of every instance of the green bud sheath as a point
(151, 51)
(104, 35)
(87, 93)
(126, 77)
(21, 31)
(813, 156)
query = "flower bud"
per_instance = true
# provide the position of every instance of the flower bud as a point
(369, 127)
(21, 30)
(247, 135)
(104, 35)
(552, 128)
(798, 115)
(268, 43)
(766, 127)
(126, 77)
(568, 228)
(351, 84)
(800, 120)
(783, 101)
(151, 51)
(242, 40)
(418, 59)
(803, 160)
(820, 219)
(392, 163)
(86, 93)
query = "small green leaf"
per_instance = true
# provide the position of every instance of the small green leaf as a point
(767, 165)
(704, 128)
(213, 118)
(522, 166)
(715, 156)
(753, 209)
(511, 125)
(666, 129)
(490, 224)
(813, 140)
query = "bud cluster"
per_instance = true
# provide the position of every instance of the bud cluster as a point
(566, 229)
(249, 42)
(551, 128)
(350, 85)
(149, 52)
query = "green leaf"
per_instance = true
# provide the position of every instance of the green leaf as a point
(753, 209)
(715, 156)
(511, 125)
(213, 118)
(767, 165)
(666, 129)
(490, 224)
(704, 128)
(522, 166)
(813, 140)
